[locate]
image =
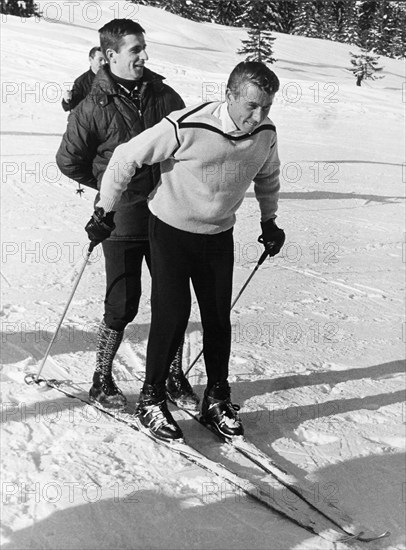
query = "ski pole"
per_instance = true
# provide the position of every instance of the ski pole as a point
(260, 262)
(5, 278)
(35, 378)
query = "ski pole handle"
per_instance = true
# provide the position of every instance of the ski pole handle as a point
(263, 257)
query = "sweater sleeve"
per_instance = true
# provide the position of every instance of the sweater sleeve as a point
(151, 146)
(267, 185)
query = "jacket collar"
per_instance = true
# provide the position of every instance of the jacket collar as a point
(104, 83)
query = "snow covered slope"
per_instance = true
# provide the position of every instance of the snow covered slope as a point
(318, 336)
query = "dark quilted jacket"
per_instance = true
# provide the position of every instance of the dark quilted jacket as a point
(81, 87)
(105, 119)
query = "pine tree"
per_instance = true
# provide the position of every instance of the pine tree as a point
(258, 47)
(376, 37)
(388, 27)
(397, 26)
(348, 31)
(367, 10)
(339, 21)
(22, 8)
(307, 20)
(154, 3)
(261, 18)
(287, 12)
(382, 27)
(378, 26)
(226, 12)
(364, 66)
(195, 10)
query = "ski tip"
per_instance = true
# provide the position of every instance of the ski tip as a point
(364, 536)
(370, 537)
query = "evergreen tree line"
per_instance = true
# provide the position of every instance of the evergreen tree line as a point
(378, 26)
(21, 8)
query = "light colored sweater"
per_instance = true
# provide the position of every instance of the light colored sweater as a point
(207, 165)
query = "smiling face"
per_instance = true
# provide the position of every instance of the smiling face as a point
(249, 107)
(130, 59)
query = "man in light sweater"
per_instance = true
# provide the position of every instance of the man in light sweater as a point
(209, 156)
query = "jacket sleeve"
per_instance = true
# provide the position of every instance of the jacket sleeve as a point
(66, 105)
(151, 146)
(79, 92)
(78, 147)
(175, 102)
(80, 89)
(267, 185)
(178, 102)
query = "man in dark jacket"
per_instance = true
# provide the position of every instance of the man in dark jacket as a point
(125, 99)
(82, 85)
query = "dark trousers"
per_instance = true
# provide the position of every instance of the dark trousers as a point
(123, 261)
(178, 258)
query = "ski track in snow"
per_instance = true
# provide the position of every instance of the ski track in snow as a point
(318, 335)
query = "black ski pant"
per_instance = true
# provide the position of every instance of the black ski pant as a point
(123, 263)
(178, 258)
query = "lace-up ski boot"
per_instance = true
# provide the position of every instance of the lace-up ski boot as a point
(178, 388)
(219, 412)
(104, 390)
(153, 414)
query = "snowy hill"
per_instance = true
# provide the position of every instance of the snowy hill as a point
(318, 336)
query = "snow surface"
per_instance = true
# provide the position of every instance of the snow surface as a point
(318, 335)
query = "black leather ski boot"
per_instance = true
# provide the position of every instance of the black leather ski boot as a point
(153, 414)
(104, 390)
(219, 412)
(178, 388)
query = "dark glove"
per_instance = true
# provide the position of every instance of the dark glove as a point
(100, 226)
(272, 237)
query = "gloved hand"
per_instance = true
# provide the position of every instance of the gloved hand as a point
(100, 225)
(272, 237)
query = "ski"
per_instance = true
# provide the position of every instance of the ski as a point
(328, 509)
(276, 496)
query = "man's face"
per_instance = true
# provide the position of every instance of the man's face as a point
(129, 61)
(250, 107)
(97, 61)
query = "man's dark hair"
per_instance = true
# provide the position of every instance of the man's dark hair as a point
(93, 51)
(112, 34)
(252, 72)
